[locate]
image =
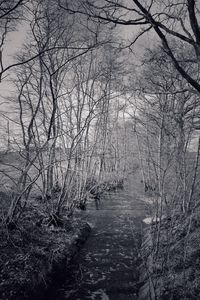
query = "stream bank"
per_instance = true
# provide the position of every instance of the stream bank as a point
(31, 257)
(172, 266)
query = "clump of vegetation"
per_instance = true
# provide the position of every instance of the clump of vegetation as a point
(30, 252)
(171, 257)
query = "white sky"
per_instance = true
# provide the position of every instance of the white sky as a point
(14, 43)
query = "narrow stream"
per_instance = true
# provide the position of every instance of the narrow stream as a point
(106, 267)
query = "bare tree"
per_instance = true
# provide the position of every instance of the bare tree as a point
(166, 19)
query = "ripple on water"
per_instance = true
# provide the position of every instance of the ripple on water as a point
(101, 293)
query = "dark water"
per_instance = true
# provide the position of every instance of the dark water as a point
(106, 267)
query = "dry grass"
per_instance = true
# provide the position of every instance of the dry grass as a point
(175, 267)
(28, 253)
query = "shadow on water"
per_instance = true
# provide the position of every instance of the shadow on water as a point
(107, 265)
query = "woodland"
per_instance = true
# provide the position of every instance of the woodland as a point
(100, 90)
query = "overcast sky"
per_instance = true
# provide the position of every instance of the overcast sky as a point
(15, 40)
